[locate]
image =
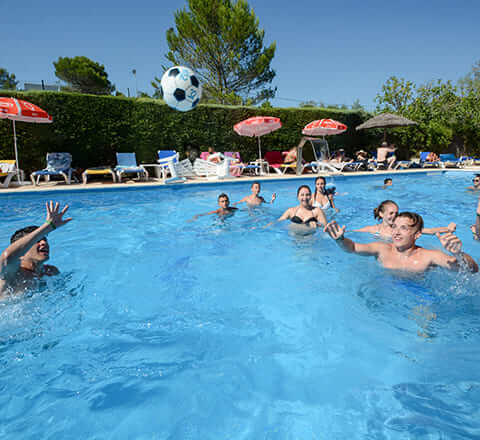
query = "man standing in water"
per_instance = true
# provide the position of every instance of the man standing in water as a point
(255, 199)
(22, 262)
(403, 253)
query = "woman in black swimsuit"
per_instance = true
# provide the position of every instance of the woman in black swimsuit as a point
(305, 215)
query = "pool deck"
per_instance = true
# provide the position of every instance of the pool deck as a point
(152, 182)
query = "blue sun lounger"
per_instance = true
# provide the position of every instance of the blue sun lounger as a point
(58, 164)
(127, 164)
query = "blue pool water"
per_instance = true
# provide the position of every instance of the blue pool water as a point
(160, 328)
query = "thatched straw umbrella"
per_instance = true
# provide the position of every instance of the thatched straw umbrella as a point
(386, 120)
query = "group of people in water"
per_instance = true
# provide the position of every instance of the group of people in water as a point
(24, 260)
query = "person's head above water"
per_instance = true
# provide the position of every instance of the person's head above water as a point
(304, 195)
(387, 211)
(387, 182)
(255, 187)
(406, 229)
(476, 180)
(223, 201)
(40, 251)
(320, 184)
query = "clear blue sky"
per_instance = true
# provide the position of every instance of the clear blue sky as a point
(334, 52)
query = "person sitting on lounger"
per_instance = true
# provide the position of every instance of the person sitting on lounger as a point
(212, 156)
(403, 253)
(387, 211)
(255, 199)
(382, 153)
(23, 261)
(432, 157)
(290, 156)
(224, 210)
(339, 157)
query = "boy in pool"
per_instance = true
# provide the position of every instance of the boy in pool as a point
(387, 183)
(403, 253)
(224, 210)
(255, 199)
(23, 261)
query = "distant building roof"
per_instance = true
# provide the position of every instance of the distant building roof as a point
(33, 86)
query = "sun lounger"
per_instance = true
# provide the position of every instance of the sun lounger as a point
(98, 171)
(451, 161)
(275, 162)
(424, 163)
(58, 164)
(212, 170)
(7, 171)
(127, 164)
(238, 163)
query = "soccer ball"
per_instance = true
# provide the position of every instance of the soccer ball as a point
(181, 88)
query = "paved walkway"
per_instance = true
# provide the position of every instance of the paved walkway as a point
(61, 186)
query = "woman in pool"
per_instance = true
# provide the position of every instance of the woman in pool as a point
(304, 217)
(387, 211)
(323, 197)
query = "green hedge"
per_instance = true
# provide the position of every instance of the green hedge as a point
(92, 128)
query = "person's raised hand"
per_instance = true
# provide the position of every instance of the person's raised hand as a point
(452, 227)
(450, 242)
(54, 216)
(274, 196)
(334, 230)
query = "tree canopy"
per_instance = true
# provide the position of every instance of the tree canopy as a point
(446, 115)
(7, 80)
(222, 41)
(84, 75)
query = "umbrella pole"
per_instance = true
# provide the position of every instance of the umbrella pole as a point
(16, 151)
(259, 149)
(384, 135)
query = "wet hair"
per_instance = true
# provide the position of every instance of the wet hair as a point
(221, 196)
(255, 183)
(320, 178)
(380, 208)
(22, 232)
(303, 186)
(387, 180)
(417, 220)
(326, 191)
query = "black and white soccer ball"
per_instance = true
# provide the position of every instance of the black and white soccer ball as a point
(181, 88)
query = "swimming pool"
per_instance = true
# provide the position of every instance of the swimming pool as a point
(160, 328)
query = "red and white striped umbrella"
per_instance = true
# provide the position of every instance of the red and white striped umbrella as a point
(18, 110)
(257, 126)
(324, 127)
(24, 111)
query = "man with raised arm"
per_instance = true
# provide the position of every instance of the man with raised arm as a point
(403, 253)
(23, 261)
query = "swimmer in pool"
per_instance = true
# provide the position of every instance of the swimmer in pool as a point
(24, 260)
(387, 183)
(255, 199)
(476, 227)
(403, 253)
(304, 215)
(224, 209)
(476, 183)
(323, 197)
(387, 212)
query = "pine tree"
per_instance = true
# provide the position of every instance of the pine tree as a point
(221, 40)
